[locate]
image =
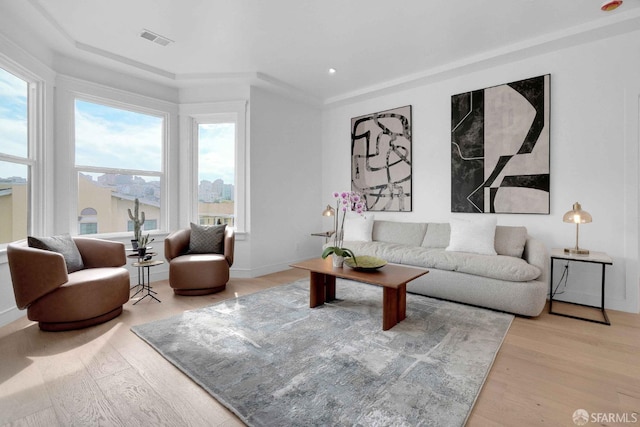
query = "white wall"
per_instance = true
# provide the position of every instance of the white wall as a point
(284, 180)
(594, 156)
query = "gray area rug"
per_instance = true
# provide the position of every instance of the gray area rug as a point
(274, 361)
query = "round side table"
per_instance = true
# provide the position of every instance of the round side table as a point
(145, 285)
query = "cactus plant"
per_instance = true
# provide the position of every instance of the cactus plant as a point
(142, 244)
(138, 220)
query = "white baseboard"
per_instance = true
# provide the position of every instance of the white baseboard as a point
(11, 314)
(594, 300)
(246, 273)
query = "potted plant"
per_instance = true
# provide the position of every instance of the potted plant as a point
(143, 241)
(138, 220)
(346, 201)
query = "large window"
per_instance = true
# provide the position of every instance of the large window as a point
(16, 159)
(118, 158)
(214, 169)
(216, 173)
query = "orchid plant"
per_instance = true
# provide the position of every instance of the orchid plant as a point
(346, 201)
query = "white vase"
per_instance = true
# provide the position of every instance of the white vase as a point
(337, 260)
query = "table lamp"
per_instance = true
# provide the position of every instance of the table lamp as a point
(329, 211)
(577, 216)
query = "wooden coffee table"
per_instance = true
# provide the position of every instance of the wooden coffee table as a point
(393, 278)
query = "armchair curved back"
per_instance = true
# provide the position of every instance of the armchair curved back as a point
(176, 243)
(98, 253)
(36, 272)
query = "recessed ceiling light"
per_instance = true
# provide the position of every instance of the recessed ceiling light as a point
(332, 70)
(610, 5)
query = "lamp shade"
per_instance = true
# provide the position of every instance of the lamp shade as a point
(577, 215)
(329, 211)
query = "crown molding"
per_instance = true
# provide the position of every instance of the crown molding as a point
(607, 27)
(28, 64)
(124, 60)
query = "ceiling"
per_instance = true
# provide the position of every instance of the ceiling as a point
(291, 44)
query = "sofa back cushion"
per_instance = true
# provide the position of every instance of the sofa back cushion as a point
(437, 235)
(510, 240)
(403, 233)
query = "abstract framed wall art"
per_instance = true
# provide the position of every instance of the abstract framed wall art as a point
(381, 159)
(500, 148)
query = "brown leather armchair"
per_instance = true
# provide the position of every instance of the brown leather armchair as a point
(61, 301)
(197, 274)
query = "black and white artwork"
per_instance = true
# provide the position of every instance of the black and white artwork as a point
(500, 148)
(381, 159)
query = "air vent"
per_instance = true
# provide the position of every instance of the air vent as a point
(156, 38)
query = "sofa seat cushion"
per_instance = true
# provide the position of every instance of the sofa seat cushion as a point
(499, 267)
(492, 266)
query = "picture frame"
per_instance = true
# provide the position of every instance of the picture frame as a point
(500, 148)
(381, 159)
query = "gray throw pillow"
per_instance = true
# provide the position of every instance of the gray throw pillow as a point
(62, 244)
(207, 239)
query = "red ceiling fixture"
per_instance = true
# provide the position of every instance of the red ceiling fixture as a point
(610, 5)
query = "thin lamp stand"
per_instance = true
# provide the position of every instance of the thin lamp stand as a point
(577, 250)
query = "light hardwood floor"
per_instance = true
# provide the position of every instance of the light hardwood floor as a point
(546, 369)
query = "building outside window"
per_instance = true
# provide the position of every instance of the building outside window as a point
(118, 158)
(88, 220)
(149, 224)
(16, 158)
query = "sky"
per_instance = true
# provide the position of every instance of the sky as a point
(13, 122)
(115, 138)
(112, 137)
(216, 152)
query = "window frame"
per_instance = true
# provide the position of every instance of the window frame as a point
(218, 118)
(191, 116)
(76, 169)
(35, 142)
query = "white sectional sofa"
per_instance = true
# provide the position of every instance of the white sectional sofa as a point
(515, 280)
